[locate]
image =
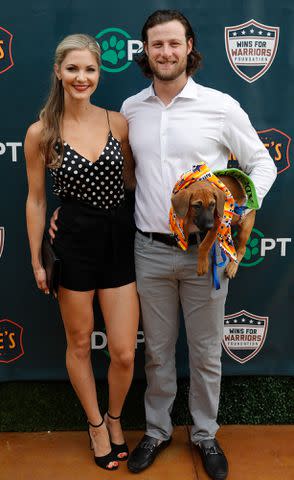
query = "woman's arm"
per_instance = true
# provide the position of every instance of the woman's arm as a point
(36, 201)
(121, 127)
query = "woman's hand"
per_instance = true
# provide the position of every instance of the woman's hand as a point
(41, 280)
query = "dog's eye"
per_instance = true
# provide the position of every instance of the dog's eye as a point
(197, 206)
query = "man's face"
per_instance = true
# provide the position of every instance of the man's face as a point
(167, 49)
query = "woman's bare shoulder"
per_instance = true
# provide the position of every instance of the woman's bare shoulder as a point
(119, 125)
(117, 117)
(34, 131)
(114, 116)
(117, 121)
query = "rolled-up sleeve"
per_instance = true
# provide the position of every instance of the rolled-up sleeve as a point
(239, 136)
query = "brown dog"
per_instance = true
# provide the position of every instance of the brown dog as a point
(201, 206)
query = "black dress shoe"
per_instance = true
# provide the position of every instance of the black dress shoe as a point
(213, 459)
(145, 452)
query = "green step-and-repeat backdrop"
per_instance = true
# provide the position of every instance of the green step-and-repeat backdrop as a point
(248, 52)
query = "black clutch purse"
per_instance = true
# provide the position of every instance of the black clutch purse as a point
(51, 265)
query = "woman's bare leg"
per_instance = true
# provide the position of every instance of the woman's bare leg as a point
(78, 318)
(120, 308)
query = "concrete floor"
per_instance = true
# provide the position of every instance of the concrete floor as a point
(254, 453)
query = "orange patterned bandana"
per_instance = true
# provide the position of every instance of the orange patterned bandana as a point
(196, 174)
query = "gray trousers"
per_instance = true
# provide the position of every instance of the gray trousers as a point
(166, 276)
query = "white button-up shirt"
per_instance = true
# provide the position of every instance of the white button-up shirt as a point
(199, 124)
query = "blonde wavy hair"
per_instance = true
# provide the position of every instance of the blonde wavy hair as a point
(52, 113)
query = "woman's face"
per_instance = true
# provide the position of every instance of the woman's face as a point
(79, 73)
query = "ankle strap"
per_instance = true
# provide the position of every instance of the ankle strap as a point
(96, 426)
(112, 417)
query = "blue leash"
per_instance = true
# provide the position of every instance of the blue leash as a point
(215, 265)
(239, 209)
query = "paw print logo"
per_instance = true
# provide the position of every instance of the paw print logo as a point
(114, 47)
(113, 51)
(252, 255)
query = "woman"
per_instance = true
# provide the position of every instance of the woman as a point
(86, 150)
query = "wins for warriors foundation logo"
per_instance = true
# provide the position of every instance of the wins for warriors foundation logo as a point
(6, 60)
(244, 335)
(251, 48)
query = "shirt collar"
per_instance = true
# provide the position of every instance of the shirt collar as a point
(190, 90)
(149, 93)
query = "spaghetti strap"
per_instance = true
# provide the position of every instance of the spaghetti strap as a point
(107, 114)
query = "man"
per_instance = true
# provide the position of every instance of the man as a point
(173, 124)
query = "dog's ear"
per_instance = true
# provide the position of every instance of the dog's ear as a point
(180, 202)
(220, 198)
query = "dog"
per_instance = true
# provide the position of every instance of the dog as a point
(201, 207)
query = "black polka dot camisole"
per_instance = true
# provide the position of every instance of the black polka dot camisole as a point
(99, 183)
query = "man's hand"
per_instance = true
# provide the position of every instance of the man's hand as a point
(53, 227)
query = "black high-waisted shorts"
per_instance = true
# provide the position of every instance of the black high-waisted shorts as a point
(96, 247)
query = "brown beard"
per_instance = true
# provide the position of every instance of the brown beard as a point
(169, 76)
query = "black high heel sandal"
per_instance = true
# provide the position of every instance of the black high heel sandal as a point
(118, 448)
(103, 461)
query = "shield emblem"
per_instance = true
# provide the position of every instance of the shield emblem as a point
(11, 346)
(244, 335)
(278, 144)
(2, 237)
(6, 60)
(251, 48)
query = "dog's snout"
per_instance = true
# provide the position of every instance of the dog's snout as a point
(208, 225)
(204, 220)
